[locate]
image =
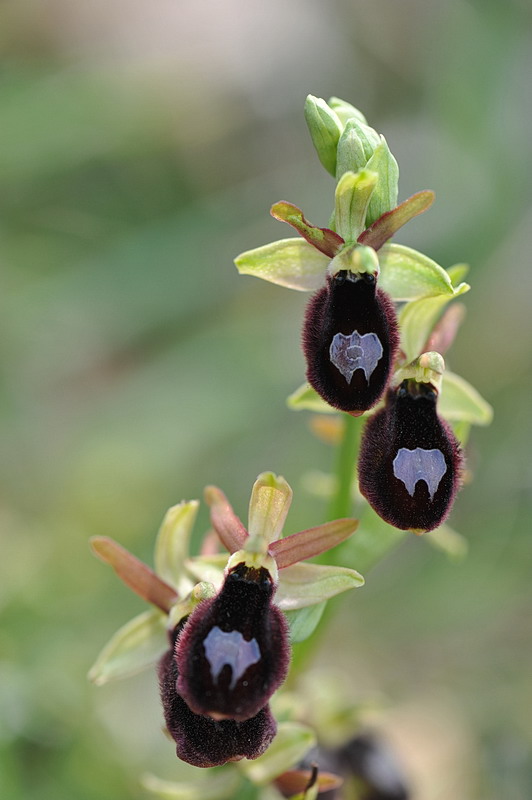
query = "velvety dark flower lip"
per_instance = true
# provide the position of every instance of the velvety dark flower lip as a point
(350, 341)
(233, 653)
(201, 740)
(410, 461)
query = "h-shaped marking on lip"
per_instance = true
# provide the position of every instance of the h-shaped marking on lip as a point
(232, 649)
(411, 466)
(349, 353)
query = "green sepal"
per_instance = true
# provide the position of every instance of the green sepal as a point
(345, 111)
(460, 402)
(448, 541)
(304, 621)
(357, 144)
(292, 263)
(384, 198)
(305, 398)
(270, 502)
(377, 234)
(325, 130)
(352, 197)
(417, 319)
(172, 544)
(135, 646)
(291, 743)
(323, 239)
(308, 584)
(408, 275)
(220, 785)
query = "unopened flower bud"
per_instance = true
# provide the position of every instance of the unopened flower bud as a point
(410, 461)
(350, 340)
(233, 653)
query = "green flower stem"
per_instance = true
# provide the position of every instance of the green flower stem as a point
(342, 502)
(341, 506)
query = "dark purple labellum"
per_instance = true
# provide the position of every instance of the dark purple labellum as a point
(350, 340)
(375, 767)
(202, 741)
(410, 461)
(233, 653)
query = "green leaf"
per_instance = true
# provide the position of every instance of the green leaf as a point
(292, 263)
(444, 538)
(345, 111)
(325, 129)
(352, 196)
(459, 401)
(357, 144)
(172, 544)
(417, 319)
(323, 239)
(270, 502)
(305, 398)
(293, 740)
(219, 785)
(137, 645)
(407, 274)
(304, 621)
(389, 223)
(384, 198)
(306, 584)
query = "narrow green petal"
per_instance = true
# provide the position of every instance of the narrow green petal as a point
(173, 540)
(384, 198)
(390, 222)
(459, 401)
(312, 541)
(306, 584)
(325, 129)
(270, 502)
(417, 320)
(352, 196)
(407, 274)
(305, 398)
(292, 263)
(293, 740)
(137, 645)
(304, 621)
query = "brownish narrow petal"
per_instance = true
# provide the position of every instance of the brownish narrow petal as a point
(323, 239)
(135, 573)
(385, 226)
(312, 541)
(225, 522)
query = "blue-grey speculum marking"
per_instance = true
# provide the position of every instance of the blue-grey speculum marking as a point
(349, 353)
(411, 466)
(230, 648)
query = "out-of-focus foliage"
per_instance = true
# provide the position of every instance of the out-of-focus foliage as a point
(141, 145)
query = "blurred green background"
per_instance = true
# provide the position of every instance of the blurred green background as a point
(142, 143)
